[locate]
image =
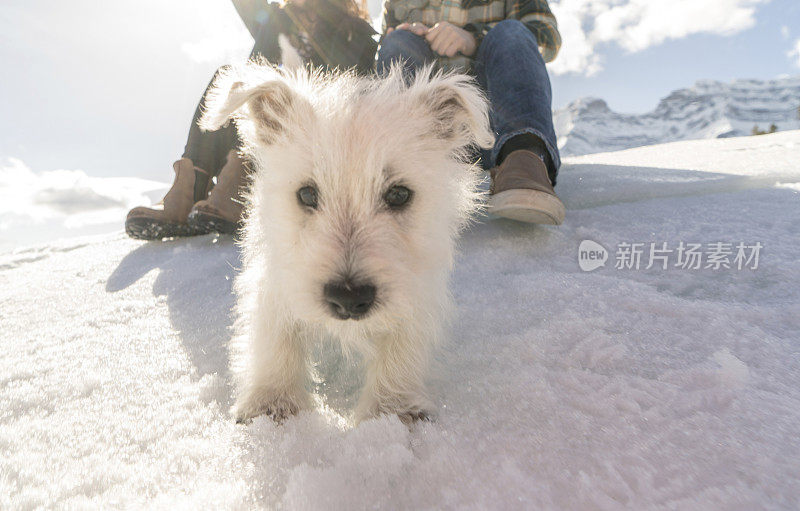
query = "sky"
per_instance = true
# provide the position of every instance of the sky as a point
(107, 89)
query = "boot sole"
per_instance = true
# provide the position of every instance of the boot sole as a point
(531, 206)
(143, 228)
(205, 223)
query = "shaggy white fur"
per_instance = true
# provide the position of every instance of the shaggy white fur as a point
(348, 140)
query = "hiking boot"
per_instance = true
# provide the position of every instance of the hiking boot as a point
(167, 219)
(222, 211)
(521, 190)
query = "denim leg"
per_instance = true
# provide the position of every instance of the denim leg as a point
(510, 69)
(406, 47)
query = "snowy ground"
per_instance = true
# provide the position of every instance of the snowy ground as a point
(560, 389)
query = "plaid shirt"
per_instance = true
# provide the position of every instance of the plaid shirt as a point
(478, 16)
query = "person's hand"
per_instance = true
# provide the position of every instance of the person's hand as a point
(447, 39)
(415, 28)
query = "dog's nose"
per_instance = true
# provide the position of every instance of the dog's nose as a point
(348, 301)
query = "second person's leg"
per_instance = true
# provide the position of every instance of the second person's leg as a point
(406, 48)
(525, 160)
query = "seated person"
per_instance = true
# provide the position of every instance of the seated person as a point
(326, 33)
(504, 44)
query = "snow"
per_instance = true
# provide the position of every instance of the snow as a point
(560, 389)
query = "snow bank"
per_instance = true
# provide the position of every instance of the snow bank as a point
(560, 389)
(35, 207)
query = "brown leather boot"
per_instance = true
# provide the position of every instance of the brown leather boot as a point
(222, 211)
(521, 190)
(167, 219)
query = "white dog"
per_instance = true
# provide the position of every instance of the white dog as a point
(360, 189)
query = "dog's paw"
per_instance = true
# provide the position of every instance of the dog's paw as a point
(278, 409)
(407, 417)
(408, 414)
(412, 416)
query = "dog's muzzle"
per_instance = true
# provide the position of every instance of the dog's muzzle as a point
(349, 301)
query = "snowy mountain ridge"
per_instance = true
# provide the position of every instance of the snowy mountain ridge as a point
(709, 109)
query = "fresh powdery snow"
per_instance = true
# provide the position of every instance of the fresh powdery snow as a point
(560, 388)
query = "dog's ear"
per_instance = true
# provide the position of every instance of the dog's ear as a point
(263, 111)
(458, 110)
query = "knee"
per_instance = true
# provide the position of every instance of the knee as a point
(509, 32)
(399, 44)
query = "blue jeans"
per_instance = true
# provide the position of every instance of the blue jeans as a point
(509, 68)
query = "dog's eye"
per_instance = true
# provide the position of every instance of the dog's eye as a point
(307, 196)
(397, 197)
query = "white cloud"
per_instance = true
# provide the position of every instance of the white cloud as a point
(785, 32)
(639, 24)
(225, 38)
(577, 53)
(794, 53)
(218, 49)
(67, 199)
